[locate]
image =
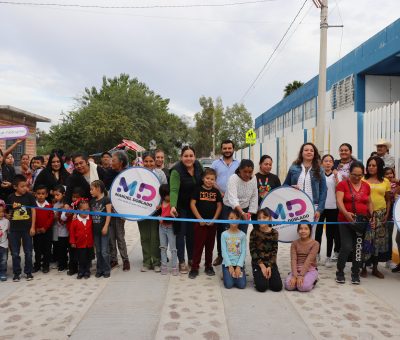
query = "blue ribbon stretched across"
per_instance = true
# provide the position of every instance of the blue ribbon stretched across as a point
(194, 220)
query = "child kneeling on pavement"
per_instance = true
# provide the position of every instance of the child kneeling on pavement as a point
(263, 250)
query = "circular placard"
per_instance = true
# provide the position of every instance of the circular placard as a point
(287, 204)
(135, 191)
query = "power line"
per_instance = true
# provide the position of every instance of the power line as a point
(272, 54)
(42, 4)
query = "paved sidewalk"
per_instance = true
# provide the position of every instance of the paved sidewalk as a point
(134, 305)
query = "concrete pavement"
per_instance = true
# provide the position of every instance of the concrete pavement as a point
(135, 305)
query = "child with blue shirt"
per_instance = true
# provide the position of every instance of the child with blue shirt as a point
(233, 246)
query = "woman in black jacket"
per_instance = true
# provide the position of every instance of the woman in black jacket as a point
(53, 174)
(7, 174)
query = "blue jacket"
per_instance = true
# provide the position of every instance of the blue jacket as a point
(319, 189)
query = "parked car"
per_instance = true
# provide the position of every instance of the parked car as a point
(206, 162)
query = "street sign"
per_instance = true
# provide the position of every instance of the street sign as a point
(251, 137)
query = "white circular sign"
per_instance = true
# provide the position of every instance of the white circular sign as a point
(135, 191)
(13, 132)
(396, 214)
(290, 205)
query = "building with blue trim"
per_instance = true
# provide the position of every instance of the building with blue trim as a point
(366, 78)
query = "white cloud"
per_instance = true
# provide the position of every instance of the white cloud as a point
(49, 56)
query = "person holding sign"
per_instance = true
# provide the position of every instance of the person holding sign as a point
(307, 175)
(266, 181)
(149, 233)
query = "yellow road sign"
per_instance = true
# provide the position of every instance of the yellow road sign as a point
(251, 137)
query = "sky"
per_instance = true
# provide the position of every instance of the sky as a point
(48, 55)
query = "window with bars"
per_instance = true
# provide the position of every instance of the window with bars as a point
(18, 151)
(342, 93)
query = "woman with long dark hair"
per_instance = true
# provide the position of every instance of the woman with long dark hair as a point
(53, 174)
(241, 192)
(376, 240)
(185, 176)
(307, 175)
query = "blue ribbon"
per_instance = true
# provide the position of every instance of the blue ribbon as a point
(173, 219)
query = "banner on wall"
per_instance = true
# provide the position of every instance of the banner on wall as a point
(291, 205)
(396, 214)
(135, 191)
(13, 132)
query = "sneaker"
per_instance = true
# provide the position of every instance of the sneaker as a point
(45, 270)
(71, 272)
(164, 270)
(217, 261)
(396, 269)
(17, 278)
(61, 269)
(144, 269)
(175, 271)
(35, 269)
(79, 276)
(3, 278)
(183, 269)
(193, 274)
(157, 269)
(126, 266)
(355, 279)
(29, 277)
(390, 265)
(340, 277)
(335, 256)
(97, 275)
(106, 276)
(328, 262)
(114, 264)
(209, 271)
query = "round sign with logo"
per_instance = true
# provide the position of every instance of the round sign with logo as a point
(135, 191)
(396, 214)
(287, 204)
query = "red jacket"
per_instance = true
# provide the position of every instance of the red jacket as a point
(81, 235)
(44, 218)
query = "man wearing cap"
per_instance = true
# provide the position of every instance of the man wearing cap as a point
(382, 149)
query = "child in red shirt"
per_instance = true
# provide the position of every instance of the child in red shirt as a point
(81, 238)
(43, 232)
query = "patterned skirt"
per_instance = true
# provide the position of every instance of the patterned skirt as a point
(376, 241)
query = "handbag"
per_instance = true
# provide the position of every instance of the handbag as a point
(360, 221)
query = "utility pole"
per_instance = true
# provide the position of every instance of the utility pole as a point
(320, 129)
(213, 134)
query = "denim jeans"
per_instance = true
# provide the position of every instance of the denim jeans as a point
(230, 282)
(15, 238)
(3, 261)
(185, 237)
(167, 236)
(102, 252)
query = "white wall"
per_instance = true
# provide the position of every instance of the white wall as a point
(380, 91)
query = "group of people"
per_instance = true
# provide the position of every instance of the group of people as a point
(342, 190)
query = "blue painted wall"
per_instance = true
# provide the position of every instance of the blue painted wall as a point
(380, 50)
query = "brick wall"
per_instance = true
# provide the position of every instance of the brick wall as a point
(30, 143)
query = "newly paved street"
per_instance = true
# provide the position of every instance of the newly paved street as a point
(135, 305)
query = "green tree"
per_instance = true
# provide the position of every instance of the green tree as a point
(235, 122)
(123, 108)
(291, 87)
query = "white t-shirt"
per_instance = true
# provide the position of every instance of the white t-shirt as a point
(4, 228)
(331, 182)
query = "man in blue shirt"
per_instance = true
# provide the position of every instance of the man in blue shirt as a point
(225, 168)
